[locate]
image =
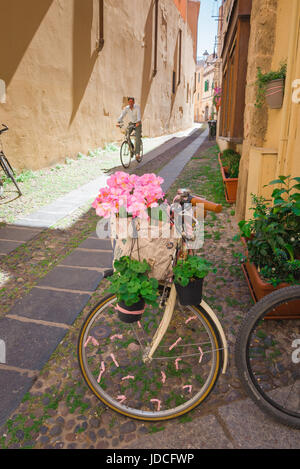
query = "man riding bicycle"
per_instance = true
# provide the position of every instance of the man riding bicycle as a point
(134, 113)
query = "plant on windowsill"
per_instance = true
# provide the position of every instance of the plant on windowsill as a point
(133, 288)
(272, 239)
(217, 98)
(229, 164)
(270, 87)
(189, 274)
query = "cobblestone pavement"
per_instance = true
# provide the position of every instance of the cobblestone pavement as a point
(58, 410)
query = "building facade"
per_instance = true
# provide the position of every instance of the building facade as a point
(204, 108)
(266, 34)
(68, 66)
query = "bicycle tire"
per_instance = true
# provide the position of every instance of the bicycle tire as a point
(266, 399)
(106, 397)
(125, 154)
(1, 188)
(9, 171)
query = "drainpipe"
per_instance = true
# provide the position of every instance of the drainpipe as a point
(155, 38)
(179, 59)
(101, 26)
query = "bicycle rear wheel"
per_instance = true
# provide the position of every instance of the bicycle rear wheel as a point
(267, 355)
(179, 377)
(125, 154)
(8, 171)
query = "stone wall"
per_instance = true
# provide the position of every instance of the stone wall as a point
(64, 96)
(260, 53)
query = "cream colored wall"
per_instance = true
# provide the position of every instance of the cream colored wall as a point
(262, 44)
(284, 16)
(280, 154)
(62, 96)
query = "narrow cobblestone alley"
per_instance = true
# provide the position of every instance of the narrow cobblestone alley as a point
(44, 401)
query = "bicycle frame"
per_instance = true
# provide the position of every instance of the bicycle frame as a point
(168, 313)
(127, 137)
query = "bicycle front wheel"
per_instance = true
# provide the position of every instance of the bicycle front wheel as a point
(125, 154)
(267, 355)
(182, 373)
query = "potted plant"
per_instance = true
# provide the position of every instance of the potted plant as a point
(217, 98)
(270, 87)
(272, 240)
(229, 164)
(133, 288)
(189, 274)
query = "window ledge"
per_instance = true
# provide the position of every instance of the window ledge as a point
(231, 139)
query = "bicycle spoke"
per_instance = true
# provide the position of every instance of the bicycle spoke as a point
(162, 387)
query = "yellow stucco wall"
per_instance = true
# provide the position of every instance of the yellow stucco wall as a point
(283, 25)
(279, 154)
(62, 96)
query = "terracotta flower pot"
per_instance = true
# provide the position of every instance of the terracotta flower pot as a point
(230, 184)
(274, 93)
(259, 288)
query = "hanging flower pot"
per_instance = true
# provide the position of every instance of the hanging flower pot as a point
(274, 93)
(189, 274)
(130, 314)
(192, 293)
(270, 87)
(133, 288)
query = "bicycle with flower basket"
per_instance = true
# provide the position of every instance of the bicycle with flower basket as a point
(142, 351)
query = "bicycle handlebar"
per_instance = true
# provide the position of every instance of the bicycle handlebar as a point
(208, 205)
(184, 195)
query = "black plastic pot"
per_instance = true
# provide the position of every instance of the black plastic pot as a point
(130, 317)
(192, 293)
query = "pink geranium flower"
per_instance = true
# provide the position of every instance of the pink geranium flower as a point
(133, 193)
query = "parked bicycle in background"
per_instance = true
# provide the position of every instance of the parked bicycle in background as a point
(5, 165)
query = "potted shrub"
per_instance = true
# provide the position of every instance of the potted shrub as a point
(270, 87)
(133, 288)
(189, 274)
(229, 163)
(272, 240)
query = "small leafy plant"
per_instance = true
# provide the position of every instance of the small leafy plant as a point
(231, 159)
(263, 79)
(130, 282)
(191, 268)
(273, 234)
